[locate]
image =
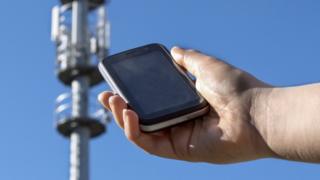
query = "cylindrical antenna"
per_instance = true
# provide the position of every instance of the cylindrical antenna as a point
(79, 140)
(77, 117)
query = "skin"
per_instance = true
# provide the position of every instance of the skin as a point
(248, 118)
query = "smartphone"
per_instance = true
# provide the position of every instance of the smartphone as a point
(154, 86)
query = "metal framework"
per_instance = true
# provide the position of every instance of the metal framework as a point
(80, 45)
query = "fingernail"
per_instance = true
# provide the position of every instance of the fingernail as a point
(124, 111)
(124, 114)
(176, 52)
(100, 97)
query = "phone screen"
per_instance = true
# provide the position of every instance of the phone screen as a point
(153, 83)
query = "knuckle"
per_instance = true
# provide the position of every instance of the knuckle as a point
(189, 54)
(237, 72)
(191, 51)
(209, 58)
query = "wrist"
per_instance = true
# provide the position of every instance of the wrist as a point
(261, 117)
(286, 121)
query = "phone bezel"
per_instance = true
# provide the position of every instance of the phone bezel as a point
(116, 84)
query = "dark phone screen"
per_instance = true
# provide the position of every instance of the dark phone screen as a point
(154, 83)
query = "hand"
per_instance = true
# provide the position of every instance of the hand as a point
(226, 134)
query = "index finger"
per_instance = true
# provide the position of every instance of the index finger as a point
(193, 61)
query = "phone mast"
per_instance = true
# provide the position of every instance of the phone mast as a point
(80, 30)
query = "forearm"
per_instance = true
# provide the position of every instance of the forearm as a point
(288, 119)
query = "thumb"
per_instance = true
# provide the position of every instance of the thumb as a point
(192, 60)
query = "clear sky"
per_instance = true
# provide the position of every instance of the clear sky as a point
(276, 40)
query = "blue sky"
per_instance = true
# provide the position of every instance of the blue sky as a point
(276, 40)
